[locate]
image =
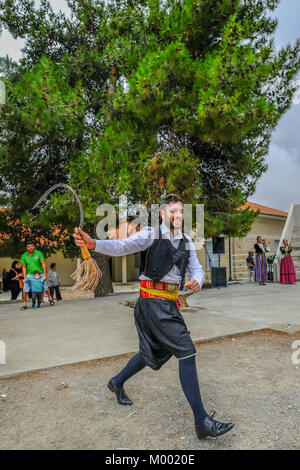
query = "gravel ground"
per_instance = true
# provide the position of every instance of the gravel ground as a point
(248, 379)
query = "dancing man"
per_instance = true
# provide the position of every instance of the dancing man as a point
(167, 252)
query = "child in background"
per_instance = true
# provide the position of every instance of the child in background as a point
(37, 287)
(250, 260)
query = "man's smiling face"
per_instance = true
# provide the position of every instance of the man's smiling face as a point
(173, 215)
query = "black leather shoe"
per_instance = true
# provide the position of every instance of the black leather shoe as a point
(212, 428)
(120, 394)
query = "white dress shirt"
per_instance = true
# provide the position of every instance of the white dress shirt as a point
(140, 241)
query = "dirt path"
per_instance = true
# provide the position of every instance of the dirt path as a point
(250, 380)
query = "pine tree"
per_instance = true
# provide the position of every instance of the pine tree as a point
(181, 95)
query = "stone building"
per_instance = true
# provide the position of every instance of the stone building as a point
(269, 224)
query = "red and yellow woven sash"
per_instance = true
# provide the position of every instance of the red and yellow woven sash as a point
(159, 290)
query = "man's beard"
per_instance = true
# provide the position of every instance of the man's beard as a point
(172, 226)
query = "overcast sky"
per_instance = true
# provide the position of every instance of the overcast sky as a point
(279, 186)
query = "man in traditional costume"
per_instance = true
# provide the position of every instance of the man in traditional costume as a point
(166, 253)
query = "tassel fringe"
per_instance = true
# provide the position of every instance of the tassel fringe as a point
(88, 275)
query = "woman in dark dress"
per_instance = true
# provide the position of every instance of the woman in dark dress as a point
(4, 279)
(14, 275)
(261, 263)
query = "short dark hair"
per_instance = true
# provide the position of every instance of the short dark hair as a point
(172, 197)
(52, 265)
(36, 272)
(14, 263)
(29, 242)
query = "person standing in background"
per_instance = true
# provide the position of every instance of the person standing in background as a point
(261, 248)
(5, 280)
(250, 261)
(33, 261)
(15, 280)
(37, 283)
(53, 281)
(287, 267)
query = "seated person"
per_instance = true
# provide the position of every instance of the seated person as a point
(250, 261)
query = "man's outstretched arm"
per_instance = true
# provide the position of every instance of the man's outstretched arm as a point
(195, 271)
(138, 242)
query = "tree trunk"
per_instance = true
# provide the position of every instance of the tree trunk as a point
(104, 286)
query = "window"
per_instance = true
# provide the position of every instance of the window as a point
(212, 260)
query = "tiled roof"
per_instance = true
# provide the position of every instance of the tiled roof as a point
(263, 209)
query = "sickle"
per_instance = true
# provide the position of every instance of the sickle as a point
(88, 274)
(62, 185)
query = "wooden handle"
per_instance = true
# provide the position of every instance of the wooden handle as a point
(85, 254)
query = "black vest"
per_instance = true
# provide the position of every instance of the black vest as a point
(161, 256)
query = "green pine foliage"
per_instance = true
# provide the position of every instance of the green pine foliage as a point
(141, 98)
